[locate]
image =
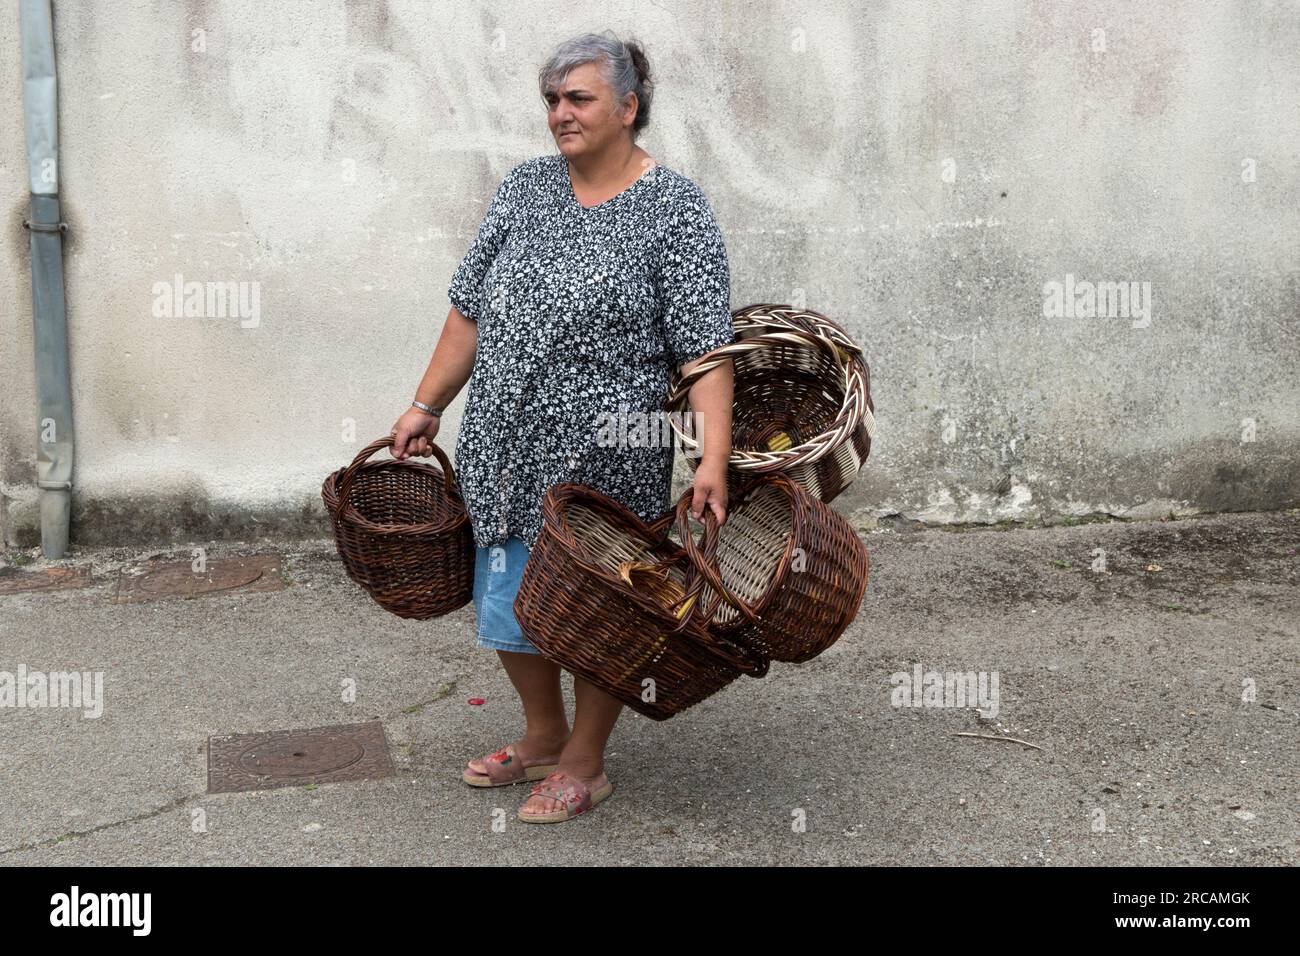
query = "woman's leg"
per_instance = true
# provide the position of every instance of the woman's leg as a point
(537, 681)
(497, 573)
(583, 756)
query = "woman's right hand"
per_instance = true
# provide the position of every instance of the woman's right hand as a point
(413, 434)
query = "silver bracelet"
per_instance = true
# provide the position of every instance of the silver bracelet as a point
(436, 412)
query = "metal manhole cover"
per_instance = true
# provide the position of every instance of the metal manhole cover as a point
(288, 758)
(301, 756)
(251, 574)
(50, 579)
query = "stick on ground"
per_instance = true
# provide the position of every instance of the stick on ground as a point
(1013, 740)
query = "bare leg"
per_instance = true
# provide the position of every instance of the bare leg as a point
(537, 681)
(583, 756)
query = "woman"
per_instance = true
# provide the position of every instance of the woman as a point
(594, 272)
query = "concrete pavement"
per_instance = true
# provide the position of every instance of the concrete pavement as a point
(1131, 681)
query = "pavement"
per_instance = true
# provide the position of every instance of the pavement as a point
(1147, 713)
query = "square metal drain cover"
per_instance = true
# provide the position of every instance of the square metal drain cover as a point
(154, 580)
(292, 758)
(50, 579)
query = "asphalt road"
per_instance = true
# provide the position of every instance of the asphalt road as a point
(1162, 706)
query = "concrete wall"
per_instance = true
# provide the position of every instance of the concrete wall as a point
(920, 171)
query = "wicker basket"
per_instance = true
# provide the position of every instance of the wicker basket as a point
(801, 405)
(576, 605)
(788, 573)
(403, 532)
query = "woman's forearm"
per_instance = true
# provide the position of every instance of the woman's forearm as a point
(452, 362)
(711, 399)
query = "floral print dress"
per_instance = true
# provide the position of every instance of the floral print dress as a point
(582, 313)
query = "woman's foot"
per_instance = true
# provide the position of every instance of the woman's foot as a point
(591, 776)
(530, 751)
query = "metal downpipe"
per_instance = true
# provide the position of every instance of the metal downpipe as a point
(54, 446)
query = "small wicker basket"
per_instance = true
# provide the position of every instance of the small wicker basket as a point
(403, 532)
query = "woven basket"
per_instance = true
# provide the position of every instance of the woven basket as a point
(403, 532)
(576, 605)
(788, 573)
(801, 405)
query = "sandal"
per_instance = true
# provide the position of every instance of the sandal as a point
(504, 768)
(575, 795)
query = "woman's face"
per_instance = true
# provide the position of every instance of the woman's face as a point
(582, 114)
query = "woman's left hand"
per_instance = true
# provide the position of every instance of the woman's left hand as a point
(710, 491)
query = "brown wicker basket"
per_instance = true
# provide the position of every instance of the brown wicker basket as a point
(788, 573)
(403, 532)
(642, 645)
(801, 405)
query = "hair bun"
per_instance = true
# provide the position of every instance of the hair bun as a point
(639, 60)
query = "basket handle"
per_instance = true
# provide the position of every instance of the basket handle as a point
(853, 413)
(745, 660)
(659, 527)
(679, 385)
(349, 473)
(704, 563)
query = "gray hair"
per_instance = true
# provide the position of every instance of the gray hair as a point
(625, 66)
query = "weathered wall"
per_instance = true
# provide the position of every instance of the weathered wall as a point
(919, 171)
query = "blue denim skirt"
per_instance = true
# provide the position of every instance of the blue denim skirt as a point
(497, 573)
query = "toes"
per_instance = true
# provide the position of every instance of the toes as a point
(542, 805)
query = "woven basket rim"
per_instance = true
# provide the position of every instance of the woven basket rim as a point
(856, 402)
(353, 518)
(563, 494)
(791, 489)
(760, 315)
(692, 628)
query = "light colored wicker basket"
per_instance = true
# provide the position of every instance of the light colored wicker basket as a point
(801, 404)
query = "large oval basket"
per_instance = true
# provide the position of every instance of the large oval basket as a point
(403, 532)
(790, 572)
(588, 601)
(801, 404)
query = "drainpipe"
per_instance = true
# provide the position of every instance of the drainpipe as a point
(46, 228)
